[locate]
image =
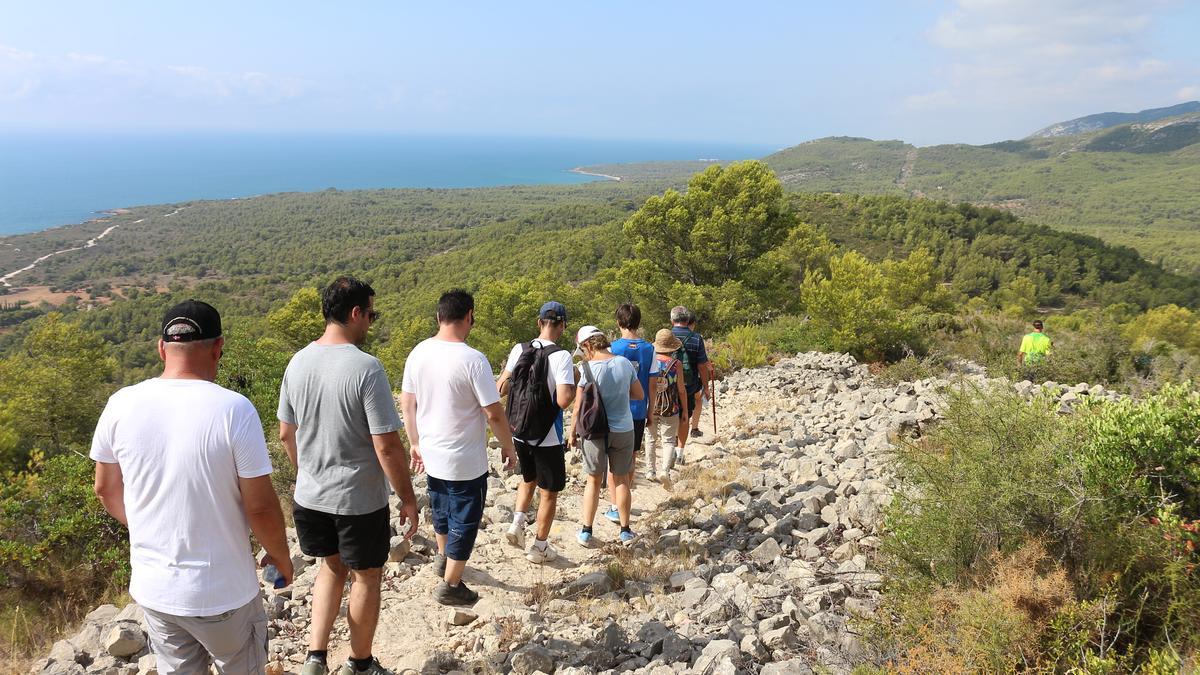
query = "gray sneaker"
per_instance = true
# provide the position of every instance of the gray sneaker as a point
(458, 595)
(314, 667)
(374, 669)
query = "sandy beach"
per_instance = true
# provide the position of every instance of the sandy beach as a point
(580, 170)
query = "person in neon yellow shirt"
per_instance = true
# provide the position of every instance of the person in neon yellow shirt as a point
(1035, 347)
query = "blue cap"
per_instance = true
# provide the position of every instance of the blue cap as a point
(553, 311)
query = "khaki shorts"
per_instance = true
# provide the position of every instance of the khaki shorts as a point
(613, 452)
(234, 641)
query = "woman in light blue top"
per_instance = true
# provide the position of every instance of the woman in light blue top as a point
(616, 379)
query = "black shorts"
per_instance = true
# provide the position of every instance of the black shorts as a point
(362, 541)
(692, 401)
(547, 464)
(639, 430)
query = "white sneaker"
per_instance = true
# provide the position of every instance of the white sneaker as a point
(515, 535)
(541, 555)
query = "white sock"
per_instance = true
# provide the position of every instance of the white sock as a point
(519, 518)
(540, 544)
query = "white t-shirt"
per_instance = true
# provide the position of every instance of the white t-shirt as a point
(453, 383)
(181, 446)
(560, 371)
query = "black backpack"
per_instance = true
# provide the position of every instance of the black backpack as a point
(532, 408)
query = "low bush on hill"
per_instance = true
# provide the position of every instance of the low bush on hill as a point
(1028, 540)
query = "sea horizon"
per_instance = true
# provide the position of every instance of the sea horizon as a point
(53, 180)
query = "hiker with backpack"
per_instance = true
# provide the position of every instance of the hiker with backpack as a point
(696, 369)
(667, 404)
(604, 421)
(539, 381)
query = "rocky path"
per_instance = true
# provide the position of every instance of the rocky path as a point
(758, 558)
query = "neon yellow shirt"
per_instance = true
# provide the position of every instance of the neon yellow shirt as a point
(1035, 347)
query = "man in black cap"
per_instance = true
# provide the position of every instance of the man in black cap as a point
(183, 463)
(539, 365)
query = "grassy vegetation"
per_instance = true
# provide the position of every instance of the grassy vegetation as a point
(1025, 540)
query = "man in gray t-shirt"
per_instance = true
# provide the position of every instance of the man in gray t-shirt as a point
(344, 398)
(339, 425)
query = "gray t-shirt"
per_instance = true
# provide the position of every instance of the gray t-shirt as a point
(337, 396)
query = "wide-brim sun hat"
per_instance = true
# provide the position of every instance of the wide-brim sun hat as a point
(665, 342)
(586, 332)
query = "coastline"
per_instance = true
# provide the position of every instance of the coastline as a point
(5, 279)
(580, 170)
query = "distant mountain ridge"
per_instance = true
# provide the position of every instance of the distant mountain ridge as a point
(1083, 125)
(1132, 183)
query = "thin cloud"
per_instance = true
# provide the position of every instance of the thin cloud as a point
(1041, 53)
(75, 78)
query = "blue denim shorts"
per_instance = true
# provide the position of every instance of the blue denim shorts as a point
(457, 510)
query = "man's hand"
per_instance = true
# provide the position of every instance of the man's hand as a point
(509, 458)
(408, 515)
(284, 566)
(416, 464)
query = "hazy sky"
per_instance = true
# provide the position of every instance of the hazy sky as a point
(927, 71)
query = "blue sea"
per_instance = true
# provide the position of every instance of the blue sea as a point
(48, 180)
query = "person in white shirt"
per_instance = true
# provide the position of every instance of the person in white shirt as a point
(449, 399)
(183, 463)
(542, 455)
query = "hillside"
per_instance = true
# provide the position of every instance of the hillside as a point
(1132, 184)
(1082, 125)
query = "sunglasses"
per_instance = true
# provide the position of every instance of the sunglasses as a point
(373, 315)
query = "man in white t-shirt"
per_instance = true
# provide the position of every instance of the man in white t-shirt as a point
(449, 399)
(183, 463)
(542, 459)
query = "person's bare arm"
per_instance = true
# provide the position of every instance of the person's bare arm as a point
(408, 408)
(265, 519)
(110, 488)
(504, 382)
(574, 416)
(287, 436)
(564, 395)
(679, 383)
(394, 460)
(498, 422)
(636, 393)
(653, 382)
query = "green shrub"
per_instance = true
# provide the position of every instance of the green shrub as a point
(743, 347)
(1000, 472)
(788, 335)
(54, 534)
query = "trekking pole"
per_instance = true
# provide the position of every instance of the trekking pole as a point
(713, 398)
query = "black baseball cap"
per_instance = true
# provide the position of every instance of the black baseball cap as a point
(191, 320)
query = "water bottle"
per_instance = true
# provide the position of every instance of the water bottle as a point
(272, 576)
